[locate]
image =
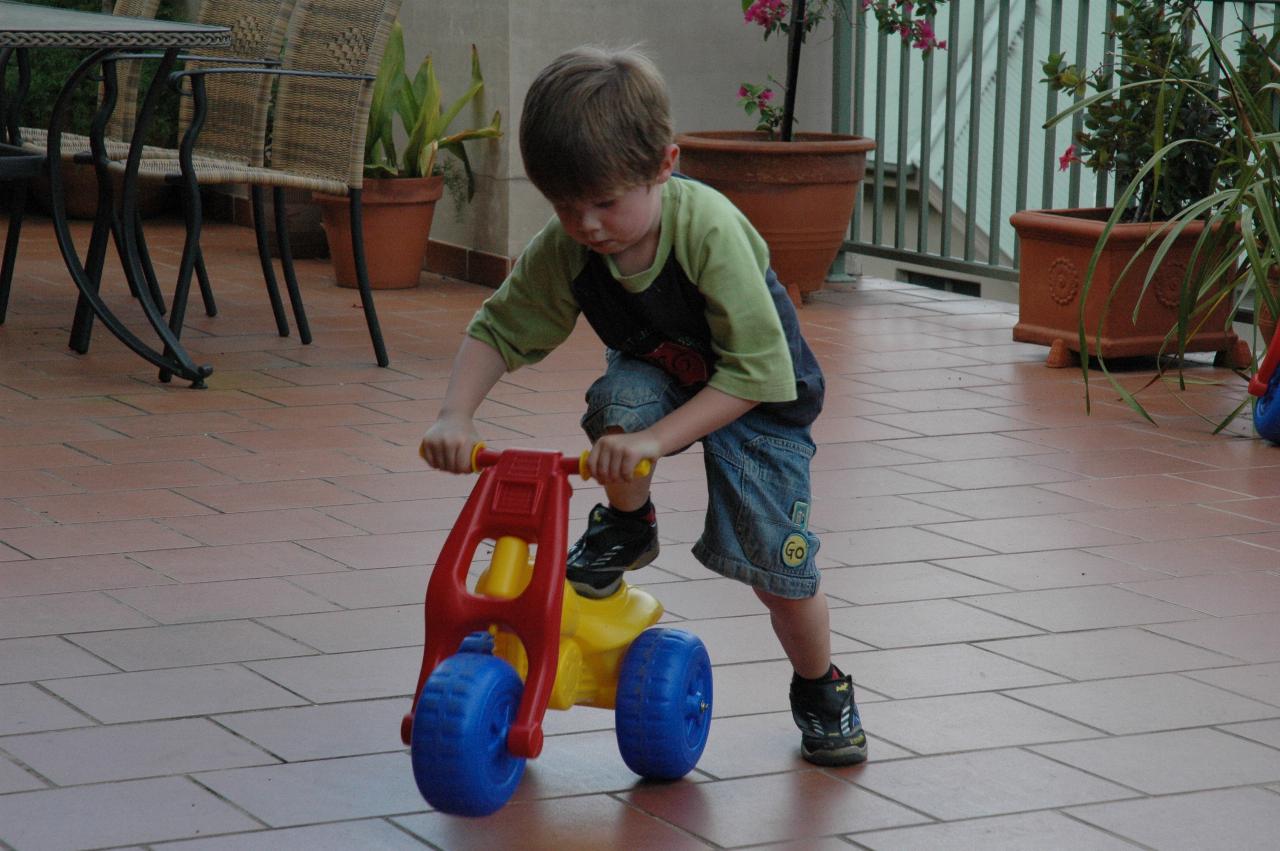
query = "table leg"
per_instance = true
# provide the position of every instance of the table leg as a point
(175, 358)
(104, 222)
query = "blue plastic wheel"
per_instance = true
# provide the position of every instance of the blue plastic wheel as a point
(459, 743)
(663, 711)
(1266, 413)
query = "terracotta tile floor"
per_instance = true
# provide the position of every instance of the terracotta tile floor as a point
(1065, 627)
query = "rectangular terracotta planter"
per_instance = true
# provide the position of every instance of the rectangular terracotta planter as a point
(1056, 246)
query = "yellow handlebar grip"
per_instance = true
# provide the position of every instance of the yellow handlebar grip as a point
(642, 469)
(475, 451)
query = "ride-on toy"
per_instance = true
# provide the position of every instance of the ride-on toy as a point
(1265, 384)
(495, 658)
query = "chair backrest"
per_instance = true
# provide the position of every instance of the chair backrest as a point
(319, 125)
(235, 127)
(120, 126)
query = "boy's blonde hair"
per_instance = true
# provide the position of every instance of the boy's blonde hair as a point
(596, 120)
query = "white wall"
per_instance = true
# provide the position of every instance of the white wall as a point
(704, 48)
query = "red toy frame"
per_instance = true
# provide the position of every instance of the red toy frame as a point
(522, 492)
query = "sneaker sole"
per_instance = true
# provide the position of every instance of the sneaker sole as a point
(851, 755)
(590, 592)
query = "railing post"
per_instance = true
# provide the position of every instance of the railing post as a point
(1102, 196)
(859, 109)
(975, 122)
(1050, 110)
(1024, 111)
(997, 147)
(1077, 120)
(841, 100)
(949, 133)
(924, 184)
(902, 167)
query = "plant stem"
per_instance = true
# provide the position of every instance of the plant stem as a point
(795, 38)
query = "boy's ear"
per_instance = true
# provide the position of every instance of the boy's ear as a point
(670, 155)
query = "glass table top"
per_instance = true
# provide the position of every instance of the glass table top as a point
(26, 25)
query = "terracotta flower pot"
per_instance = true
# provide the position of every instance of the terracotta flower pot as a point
(798, 194)
(397, 224)
(1056, 246)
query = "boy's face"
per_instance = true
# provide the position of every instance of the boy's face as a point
(613, 222)
(617, 222)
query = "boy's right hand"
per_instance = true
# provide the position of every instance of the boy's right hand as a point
(447, 444)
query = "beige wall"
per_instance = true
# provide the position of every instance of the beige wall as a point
(702, 46)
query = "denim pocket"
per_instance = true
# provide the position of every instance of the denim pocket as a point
(772, 517)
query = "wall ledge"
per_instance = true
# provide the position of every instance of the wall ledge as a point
(467, 264)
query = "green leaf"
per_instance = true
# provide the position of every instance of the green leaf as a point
(417, 104)
(477, 83)
(380, 133)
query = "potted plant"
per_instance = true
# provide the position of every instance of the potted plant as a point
(1253, 90)
(797, 189)
(1238, 252)
(401, 191)
(1115, 282)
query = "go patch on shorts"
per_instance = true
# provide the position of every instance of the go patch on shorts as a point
(795, 549)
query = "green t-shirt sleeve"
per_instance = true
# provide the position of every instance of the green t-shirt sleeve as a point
(534, 309)
(727, 260)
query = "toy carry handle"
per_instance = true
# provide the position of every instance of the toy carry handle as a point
(481, 457)
(1258, 384)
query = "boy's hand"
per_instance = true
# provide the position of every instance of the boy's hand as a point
(447, 444)
(615, 456)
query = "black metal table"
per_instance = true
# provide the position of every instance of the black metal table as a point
(24, 27)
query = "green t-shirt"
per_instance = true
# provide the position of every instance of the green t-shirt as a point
(704, 311)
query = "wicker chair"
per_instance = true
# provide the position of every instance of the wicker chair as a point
(317, 134)
(234, 130)
(119, 85)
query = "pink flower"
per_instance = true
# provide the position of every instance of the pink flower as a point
(742, 91)
(766, 13)
(926, 38)
(766, 96)
(1068, 157)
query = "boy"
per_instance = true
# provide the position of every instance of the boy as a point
(702, 344)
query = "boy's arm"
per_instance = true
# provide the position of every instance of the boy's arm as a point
(476, 368)
(614, 456)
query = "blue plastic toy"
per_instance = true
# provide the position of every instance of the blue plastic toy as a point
(1266, 386)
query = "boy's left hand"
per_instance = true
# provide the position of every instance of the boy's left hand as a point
(615, 457)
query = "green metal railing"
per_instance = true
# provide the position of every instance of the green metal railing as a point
(960, 164)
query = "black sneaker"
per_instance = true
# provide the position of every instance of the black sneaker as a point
(828, 720)
(613, 544)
